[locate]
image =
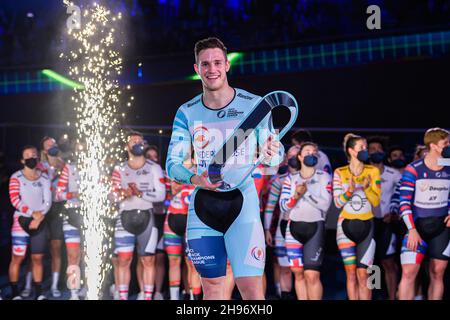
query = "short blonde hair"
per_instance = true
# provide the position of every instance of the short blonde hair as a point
(434, 135)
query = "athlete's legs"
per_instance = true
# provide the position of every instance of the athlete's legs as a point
(276, 276)
(173, 245)
(146, 248)
(294, 251)
(124, 275)
(313, 285)
(406, 286)
(115, 263)
(38, 269)
(352, 282)
(437, 270)
(20, 242)
(55, 247)
(73, 255)
(140, 274)
(55, 222)
(148, 263)
(14, 267)
(365, 293)
(285, 279)
(160, 263)
(195, 283)
(229, 282)
(391, 276)
(185, 280)
(245, 244)
(281, 270)
(300, 283)
(213, 288)
(411, 261)
(72, 239)
(174, 276)
(264, 284)
(160, 271)
(124, 247)
(251, 288)
(206, 250)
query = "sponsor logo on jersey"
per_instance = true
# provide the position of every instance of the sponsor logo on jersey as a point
(221, 114)
(192, 103)
(442, 175)
(257, 253)
(201, 137)
(357, 202)
(233, 113)
(142, 172)
(240, 95)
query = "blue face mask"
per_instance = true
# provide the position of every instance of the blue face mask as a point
(293, 163)
(310, 160)
(53, 151)
(377, 157)
(446, 152)
(137, 150)
(363, 155)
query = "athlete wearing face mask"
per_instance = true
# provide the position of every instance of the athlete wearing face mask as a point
(425, 210)
(137, 184)
(306, 197)
(356, 189)
(30, 194)
(272, 206)
(396, 158)
(52, 165)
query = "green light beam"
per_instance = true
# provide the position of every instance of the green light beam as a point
(61, 79)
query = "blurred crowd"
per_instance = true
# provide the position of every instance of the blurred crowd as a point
(31, 35)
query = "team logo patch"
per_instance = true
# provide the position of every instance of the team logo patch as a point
(221, 114)
(257, 253)
(201, 137)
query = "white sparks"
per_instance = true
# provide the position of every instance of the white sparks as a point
(97, 127)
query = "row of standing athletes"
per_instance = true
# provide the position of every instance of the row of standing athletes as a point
(372, 199)
(300, 197)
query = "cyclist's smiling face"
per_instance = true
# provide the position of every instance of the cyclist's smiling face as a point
(212, 67)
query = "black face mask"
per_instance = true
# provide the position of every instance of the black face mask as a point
(398, 163)
(293, 162)
(31, 163)
(377, 157)
(282, 169)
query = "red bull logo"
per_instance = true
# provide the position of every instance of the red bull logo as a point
(257, 253)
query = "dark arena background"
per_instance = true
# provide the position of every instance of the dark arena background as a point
(391, 81)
